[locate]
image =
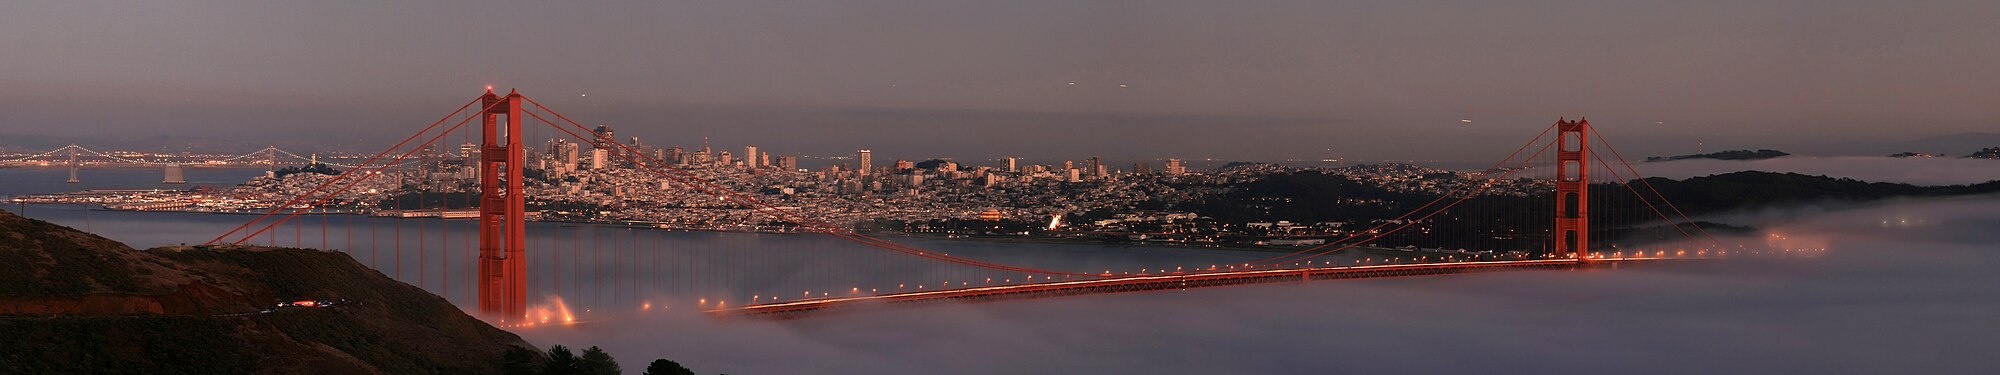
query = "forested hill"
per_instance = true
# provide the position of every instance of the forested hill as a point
(1726, 155)
(76, 303)
(1312, 196)
(1752, 189)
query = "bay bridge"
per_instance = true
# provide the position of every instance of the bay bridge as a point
(76, 157)
(1577, 222)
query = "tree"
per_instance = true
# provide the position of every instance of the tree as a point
(563, 362)
(597, 362)
(519, 361)
(321, 168)
(665, 367)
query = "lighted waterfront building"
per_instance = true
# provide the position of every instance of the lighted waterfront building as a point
(788, 162)
(677, 155)
(865, 158)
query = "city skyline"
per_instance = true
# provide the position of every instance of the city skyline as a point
(1241, 82)
(975, 187)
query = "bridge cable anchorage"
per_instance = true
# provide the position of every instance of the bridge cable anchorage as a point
(343, 176)
(1642, 198)
(1404, 223)
(656, 166)
(1656, 192)
(708, 187)
(1295, 256)
(627, 259)
(330, 194)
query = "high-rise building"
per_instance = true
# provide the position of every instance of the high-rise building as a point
(866, 159)
(569, 156)
(904, 166)
(788, 162)
(605, 137)
(1011, 168)
(1096, 167)
(750, 158)
(598, 158)
(1141, 168)
(677, 155)
(991, 179)
(726, 159)
(1176, 167)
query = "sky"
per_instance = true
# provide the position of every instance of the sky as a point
(1362, 80)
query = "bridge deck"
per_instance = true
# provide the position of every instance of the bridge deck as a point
(803, 308)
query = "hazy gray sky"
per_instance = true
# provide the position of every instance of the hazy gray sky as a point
(1239, 80)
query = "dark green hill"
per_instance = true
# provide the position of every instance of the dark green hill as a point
(71, 302)
(1753, 189)
(1726, 155)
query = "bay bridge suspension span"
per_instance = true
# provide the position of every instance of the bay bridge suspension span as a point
(1572, 222)
(76, 157)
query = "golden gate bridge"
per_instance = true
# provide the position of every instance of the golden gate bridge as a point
(1576, 223)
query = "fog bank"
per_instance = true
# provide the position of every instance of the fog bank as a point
(1917, 171)
(1904, 288)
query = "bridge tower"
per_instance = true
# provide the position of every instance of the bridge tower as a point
(502, 240)
(72, 165)
(271, 161)
(1572, 229)
(174, 174)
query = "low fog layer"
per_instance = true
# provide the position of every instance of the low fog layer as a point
(1918, 171)
(1904, 288)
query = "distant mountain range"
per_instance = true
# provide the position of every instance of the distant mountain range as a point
(1954, 145)
(1725, 155)
(76, 303)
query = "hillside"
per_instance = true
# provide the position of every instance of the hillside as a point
(1725, 155)
(72, 302)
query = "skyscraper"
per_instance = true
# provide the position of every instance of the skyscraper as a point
(1011, 164)
(605, 137)
(866, 159)
(1176, 167)
(750, 158)
(788, 162)
(569, 156)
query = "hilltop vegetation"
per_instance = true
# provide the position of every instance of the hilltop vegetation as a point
(1312, 196)
(1725, 155)
(72, 302)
